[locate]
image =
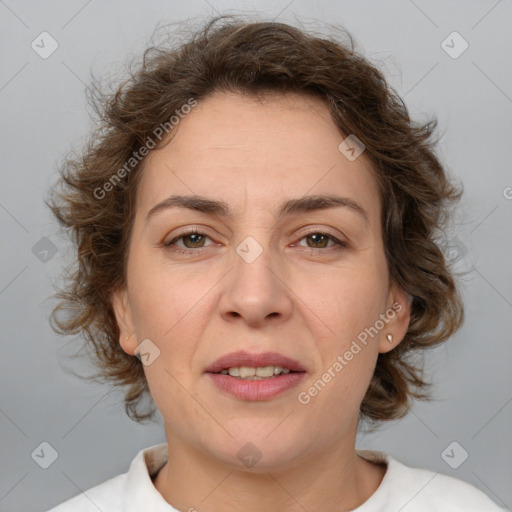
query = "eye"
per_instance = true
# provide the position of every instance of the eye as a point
(194, 239)
(191, 240)
(320, 240)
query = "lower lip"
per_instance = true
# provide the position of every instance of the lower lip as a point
(264, 389)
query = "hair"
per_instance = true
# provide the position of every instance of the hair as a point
(257, 58)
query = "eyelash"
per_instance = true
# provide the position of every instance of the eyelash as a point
(169, 245)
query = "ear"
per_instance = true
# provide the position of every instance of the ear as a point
(124, 318)
(398, 314)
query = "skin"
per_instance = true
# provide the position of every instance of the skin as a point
(300, 298)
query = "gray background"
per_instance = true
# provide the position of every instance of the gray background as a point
(44, 114)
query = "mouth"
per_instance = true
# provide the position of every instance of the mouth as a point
(245, 364)
(255, 376)
(259, 373)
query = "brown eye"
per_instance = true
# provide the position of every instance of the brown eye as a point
(196, 240)
(321, 240)
(187, 241)
(318, 240)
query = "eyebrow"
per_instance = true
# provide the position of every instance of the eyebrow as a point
(293, 206)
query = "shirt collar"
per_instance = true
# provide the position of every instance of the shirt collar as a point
(141, 494)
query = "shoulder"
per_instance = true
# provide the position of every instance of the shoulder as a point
(105, 496)
(442, 491)
(412, 489)
(131, 491)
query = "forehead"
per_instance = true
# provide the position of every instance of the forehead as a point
(233, 147)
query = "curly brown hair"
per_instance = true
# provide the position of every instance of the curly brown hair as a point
(229, 54)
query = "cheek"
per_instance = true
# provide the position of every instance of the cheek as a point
(349, 305)
(163, 305)
(171, 307)
(161, 296)
(351, 299)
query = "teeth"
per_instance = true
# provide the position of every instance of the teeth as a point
(261, 372)
(245, 371)
(266, 371)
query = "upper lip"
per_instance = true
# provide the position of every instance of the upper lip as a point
(242, 358)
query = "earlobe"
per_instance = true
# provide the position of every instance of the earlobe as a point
(399, 317)
(123, 314)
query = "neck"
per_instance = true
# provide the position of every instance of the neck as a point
(337, 480)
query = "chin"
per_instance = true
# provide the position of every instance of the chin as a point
(257, 458)
(259, 449)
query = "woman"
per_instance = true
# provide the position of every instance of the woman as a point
(255, 223)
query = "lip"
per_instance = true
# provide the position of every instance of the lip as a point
(242, 358)
(255, 390)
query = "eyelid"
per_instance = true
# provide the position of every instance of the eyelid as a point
(190, 231)
(337, 241)
(321, 229)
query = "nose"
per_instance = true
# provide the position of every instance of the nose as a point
(256, 293)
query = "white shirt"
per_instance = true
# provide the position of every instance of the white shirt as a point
(403, 488)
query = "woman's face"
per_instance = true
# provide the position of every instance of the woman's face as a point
(274, 276)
